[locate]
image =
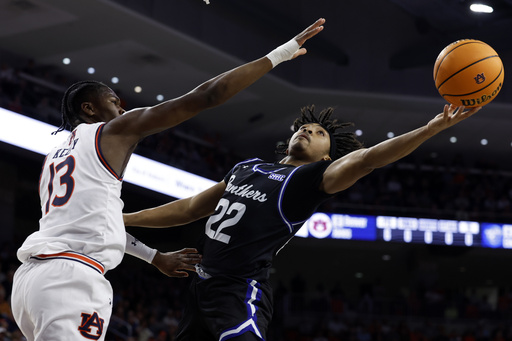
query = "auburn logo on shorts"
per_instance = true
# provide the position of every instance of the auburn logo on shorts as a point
(92, 326)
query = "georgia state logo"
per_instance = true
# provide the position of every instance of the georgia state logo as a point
(320, 225)
(92, 326)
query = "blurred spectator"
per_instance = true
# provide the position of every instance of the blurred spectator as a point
(46, 112)
(5, 307)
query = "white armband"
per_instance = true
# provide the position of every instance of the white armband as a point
(283, 53)
(138, 249)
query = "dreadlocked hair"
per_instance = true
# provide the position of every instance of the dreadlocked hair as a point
(346, 142)
(73, 98)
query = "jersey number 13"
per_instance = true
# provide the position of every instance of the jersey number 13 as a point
(64, 180)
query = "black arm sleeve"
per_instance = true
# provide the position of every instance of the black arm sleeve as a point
(302, 194)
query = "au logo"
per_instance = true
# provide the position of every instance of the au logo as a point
(319, 225)
(480, 78)
(92, 326)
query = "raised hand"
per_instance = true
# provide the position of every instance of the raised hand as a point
(450, 116)
(308, 33)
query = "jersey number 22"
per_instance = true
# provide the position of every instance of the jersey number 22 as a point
(224, 207)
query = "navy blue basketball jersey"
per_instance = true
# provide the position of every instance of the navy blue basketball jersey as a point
(263, 206)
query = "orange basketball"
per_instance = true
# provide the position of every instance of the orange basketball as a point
(468, 72)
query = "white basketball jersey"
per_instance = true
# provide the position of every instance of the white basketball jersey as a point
(80, 202)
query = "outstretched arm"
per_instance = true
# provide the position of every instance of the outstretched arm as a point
(172, 264)
(344, 172)
(175, 213)
(178, 212)
(121, 135)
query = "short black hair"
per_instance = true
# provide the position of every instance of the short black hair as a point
(346, 142)
(74, 96)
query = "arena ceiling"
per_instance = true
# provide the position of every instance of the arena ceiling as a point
(373, 61)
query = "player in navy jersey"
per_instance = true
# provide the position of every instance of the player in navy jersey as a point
(259, 206)
(60, 292)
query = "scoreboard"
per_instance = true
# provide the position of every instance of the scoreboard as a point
(407, 230)
(427, 231)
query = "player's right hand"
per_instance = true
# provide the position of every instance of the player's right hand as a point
(177, 263)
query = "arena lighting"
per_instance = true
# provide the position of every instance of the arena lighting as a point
(27, 133)
(481, 8)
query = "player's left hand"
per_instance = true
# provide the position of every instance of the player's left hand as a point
(450, 116)
(177, 263)
(308, 33)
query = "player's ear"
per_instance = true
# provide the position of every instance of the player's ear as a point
(87, 108)
(286, 151)
(326, 158)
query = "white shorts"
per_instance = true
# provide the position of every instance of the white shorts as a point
(61, 299)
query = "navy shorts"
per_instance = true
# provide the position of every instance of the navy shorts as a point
(223, 307)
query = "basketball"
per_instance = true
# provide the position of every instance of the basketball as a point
(468, 73)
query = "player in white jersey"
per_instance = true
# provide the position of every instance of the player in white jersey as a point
(59, 292)
(73, 173)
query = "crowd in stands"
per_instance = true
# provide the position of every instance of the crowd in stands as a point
(148, 305)
(8, 265)
(442, 191)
